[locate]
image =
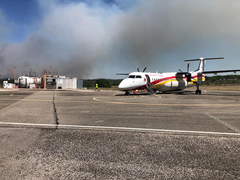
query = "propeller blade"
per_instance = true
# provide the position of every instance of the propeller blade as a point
(188, 67)
(144, 69)
(180, 70)
(137, 69)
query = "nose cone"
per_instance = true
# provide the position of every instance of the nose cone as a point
(123, 85)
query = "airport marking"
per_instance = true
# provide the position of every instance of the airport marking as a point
(223, 123)
(42, 100)
(99, 121)
(150, 104)
(97, 100)
(11, 94)
(116, 128)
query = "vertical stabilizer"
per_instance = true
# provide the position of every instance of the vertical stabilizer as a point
(201, 66)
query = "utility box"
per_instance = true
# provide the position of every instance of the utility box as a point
(69, 83)
(5, 84)
(79, 83)
(60, 82)
(32, 86)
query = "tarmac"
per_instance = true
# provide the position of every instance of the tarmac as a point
(86, 134)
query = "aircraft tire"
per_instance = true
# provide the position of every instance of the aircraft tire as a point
(198, 92)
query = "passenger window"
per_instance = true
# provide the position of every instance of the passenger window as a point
(138, 76)
(131, 76)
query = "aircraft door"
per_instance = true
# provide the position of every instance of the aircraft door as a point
(148, 79)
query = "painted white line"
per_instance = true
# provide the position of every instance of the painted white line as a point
(117, 128)
(223, 123)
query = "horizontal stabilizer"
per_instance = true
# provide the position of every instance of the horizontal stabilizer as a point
(204, 59)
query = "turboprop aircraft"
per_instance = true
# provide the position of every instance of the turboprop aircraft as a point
(163, 82)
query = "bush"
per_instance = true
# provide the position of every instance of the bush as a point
(103, 83)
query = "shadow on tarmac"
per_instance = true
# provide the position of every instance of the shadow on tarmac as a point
(216, 94)
(158, 93)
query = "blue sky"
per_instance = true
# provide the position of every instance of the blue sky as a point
(23, 11)
(23, 16)
(92, 38)
(20, 15)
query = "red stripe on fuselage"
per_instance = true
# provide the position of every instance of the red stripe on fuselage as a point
(160, 80)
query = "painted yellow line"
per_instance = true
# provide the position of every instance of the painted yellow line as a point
(40, 100)
(11, 94)
(150, 104)
(96, 100)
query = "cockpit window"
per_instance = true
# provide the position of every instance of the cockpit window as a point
(138, 76)
(131, 76)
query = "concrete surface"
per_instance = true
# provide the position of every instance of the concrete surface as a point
(178, 135)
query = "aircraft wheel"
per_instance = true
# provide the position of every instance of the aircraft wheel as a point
(198, 92)
(127, 93)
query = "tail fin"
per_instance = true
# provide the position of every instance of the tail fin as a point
(202, 62)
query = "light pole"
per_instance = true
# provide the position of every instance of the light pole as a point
(14, 74)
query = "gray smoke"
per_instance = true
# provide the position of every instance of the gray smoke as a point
(99, 40)
(185, 29)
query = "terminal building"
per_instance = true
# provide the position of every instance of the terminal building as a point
(59, 82)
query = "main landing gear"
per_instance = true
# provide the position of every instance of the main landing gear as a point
(198, 91)
(127, 93)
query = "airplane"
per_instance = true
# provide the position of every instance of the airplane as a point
(175, 81)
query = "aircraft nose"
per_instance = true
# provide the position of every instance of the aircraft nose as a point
(122, 85)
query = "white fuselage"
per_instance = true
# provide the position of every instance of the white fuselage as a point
(157, 81)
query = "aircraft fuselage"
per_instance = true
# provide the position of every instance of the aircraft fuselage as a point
(158, 81)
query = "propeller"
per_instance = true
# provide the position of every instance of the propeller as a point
(188, 75)
(143, 69)
(179, 70)
(137, 69)
(129, 73)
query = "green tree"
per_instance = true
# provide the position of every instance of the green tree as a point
(103, 83)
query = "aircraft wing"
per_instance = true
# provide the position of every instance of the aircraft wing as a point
(222, 71)
(122, 73)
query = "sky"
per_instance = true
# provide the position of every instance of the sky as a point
(99, 38)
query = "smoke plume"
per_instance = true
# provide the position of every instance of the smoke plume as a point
(100, 39)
